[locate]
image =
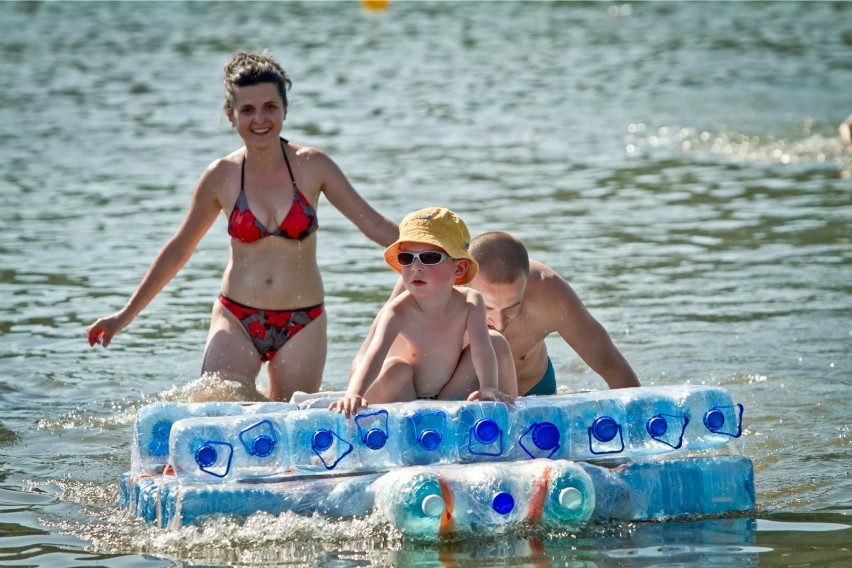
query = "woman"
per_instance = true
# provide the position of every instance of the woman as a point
(271, 305)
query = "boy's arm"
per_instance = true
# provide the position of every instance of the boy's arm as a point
(397, 290)
(559, 304)
(365, 371)
(482, 352)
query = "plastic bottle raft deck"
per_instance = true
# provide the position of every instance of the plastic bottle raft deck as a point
(435, 467)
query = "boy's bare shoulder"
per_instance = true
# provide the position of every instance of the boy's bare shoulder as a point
(467, 295)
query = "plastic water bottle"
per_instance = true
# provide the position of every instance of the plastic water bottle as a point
(350, 496)
(165, 501)
(481, 431)
(214, 449)
(505, 494)
(538, 429)
(304, 400)
(486, 497)
(141, 496)
(414, 500)
(319, 440)
(613, 497)
(664, 489)
(693, 486)
(655, 421)
(714, 418)
(481, 498)
(150, 451)
(272, 407)
(375, 435)
(426, 435)
(596, 425)
(561, 492)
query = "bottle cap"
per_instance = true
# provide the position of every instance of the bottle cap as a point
(375, 438)
(486, 430)
(262, 446)
(429, 440)
(205, 456)
(656, 426)
(604, 428)
(432, 505)
(158, 445)
(571, 498)
(322, 440)
(714, 419)
(545, 436)
(503, 503)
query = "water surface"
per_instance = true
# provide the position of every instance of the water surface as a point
(678, 163)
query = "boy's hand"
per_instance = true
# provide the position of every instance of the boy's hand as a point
(492, 394)
(349, 404)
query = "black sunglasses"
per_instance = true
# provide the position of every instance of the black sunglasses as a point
(426, 257)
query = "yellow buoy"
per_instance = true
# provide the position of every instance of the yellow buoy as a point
(375, 5)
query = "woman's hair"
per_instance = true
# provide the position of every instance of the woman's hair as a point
(251, 69)
(502, 257)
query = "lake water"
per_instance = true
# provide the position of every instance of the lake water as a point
(678, 163)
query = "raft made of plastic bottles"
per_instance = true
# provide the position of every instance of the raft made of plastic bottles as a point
(621, 424)
(427, 501)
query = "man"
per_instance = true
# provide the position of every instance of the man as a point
(526, 301)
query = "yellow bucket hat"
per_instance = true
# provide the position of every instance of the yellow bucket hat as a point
(435, 226)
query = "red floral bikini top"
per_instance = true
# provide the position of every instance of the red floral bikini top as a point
(299, 223)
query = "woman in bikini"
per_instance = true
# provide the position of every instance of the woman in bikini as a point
(271, 304)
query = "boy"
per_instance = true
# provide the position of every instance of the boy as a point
(418, 348)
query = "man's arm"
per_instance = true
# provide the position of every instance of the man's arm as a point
(558, 303)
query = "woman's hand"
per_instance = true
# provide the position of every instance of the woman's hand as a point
(103, 330)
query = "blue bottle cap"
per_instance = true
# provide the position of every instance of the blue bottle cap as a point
(375, 438)
(161, 429)
(503, 503)
(604, 428)
(158, 445)
(205, 456)
(657, 426)
(322, 440)
(262, 446)
(429, 440)
(486, 430)
(714, 419)
(545, 436)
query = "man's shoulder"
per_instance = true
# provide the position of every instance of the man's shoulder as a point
(543, 278)
(546, 289)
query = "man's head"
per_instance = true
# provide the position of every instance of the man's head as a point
(504, 268)
(441, 228)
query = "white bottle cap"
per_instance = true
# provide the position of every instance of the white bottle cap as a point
(571, 498)
(433, 505)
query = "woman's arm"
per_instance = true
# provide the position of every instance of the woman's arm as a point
(201, 214)
(343, 196)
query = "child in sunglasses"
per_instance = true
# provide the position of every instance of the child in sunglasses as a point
(422, 335)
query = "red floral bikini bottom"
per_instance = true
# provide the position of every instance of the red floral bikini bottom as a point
(269, 330)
